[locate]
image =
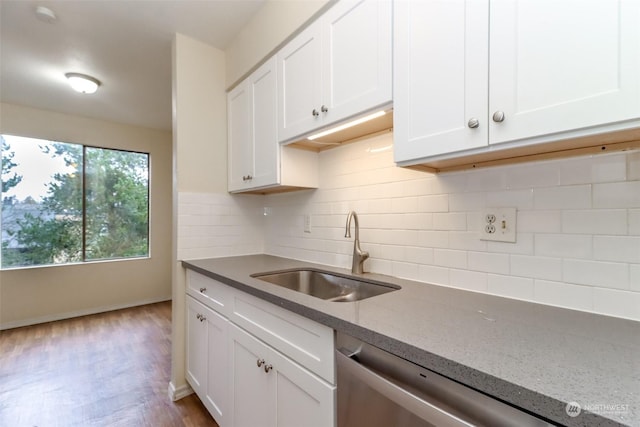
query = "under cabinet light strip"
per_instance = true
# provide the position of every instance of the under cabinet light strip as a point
(347, 125)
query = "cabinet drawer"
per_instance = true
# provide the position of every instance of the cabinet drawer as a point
(305, 341)
(210, 292)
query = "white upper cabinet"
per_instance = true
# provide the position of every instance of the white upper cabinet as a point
(441, 77)
(300, 92)
(256, 159)
(480, 75)
(253, 145)
(337, 68)
(240, 143)
(562, 65)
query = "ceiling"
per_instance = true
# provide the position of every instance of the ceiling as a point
(126, 44)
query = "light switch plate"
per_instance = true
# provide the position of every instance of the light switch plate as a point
(498, 225)
(307, 223)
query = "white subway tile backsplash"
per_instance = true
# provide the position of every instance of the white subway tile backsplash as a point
(404, 205)
(563, 245)
(533, 175)
(405, 270)
(590, 169)
(433, 274)
(523, 245)
(509, 286)
(434, 203)
(519, 199)
(634, 222)
(466, 240)
(419, 255)
(489, 262)
(450, 221)
(464, 202)
(471, 280)
(634, 277)
(433, 239)
(617, 303)
(213, 225)
(633, 166)
(490, 180)
(563, 295)
(536, 267)
(598, 221)
(596, 273)
(617, 194)
(569, 197)
(450, 258)
(617, 248)
(578, 224)
(539, 221)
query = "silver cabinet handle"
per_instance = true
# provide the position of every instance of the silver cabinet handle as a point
(324, 109)
(198, 316)
(203, 290)
(473, 123)
(267, 368)
(315, 113)
(247, 178)
(498, 116)
(260, 362)
(202, 318)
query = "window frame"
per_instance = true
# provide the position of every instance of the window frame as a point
(83, 169)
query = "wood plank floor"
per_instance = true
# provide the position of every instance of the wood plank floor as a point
(110, 369)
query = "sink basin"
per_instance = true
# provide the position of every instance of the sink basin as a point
(327, 285)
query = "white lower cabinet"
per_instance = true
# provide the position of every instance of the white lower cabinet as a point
(207, 358)
(270, 390)
(248, 381)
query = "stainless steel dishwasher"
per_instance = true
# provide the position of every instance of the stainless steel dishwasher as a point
(376, 388)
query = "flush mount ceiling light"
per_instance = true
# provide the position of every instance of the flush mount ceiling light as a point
(82, 83)
(45, 14)
(347, 125)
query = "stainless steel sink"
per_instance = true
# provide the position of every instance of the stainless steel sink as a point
(326, 285)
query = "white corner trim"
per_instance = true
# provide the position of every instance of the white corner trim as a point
(180, 392)
(78, 313)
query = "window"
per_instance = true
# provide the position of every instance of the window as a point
(66, 203)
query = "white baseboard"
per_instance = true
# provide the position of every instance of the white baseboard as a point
(180, 392)
(79, 313)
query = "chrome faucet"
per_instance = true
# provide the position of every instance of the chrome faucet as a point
(358, 254)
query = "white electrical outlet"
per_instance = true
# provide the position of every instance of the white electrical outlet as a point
(498, 224)
(307, 223)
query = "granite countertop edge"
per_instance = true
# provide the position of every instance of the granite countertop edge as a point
(549, 408)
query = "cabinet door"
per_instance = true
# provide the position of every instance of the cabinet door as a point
(196, 347)
(299, 92)
(357, 46)
(440, 77)
(251, 387)
(207, 357)
(302, 399)
(264, 110)
(562, 65)
(217, 389)
(240, 144)
(286, 396)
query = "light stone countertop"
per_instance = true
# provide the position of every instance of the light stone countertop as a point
(536, 357)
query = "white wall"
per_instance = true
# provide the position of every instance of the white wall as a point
(208, 222)
(272, 25)
(578, 225)
(41, 294)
